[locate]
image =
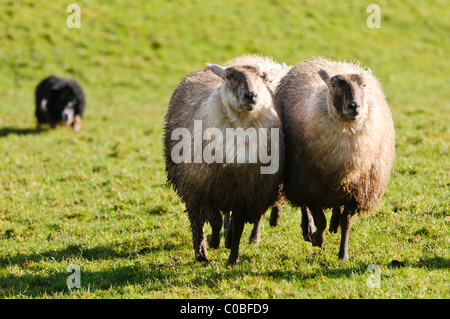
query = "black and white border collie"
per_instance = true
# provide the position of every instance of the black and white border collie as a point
(59, 101)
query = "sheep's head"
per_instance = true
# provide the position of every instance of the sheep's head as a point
(347, 93)
(245, 85)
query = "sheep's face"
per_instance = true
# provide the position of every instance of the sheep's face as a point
(346, 93)
(245, 85)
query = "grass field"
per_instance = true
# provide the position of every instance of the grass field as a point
(99, 199)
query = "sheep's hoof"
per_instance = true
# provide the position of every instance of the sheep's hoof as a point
(307, 236)
(273, 222)
(254, 239)
(334, 229)
(343, 256)
(232, 261)
(255, 236)
(201, 258)
(201, 254)
(213, 243)
(317, 239)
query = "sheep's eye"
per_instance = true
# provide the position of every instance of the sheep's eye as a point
(229, 76)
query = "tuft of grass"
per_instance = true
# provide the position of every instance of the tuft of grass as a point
(99, 199)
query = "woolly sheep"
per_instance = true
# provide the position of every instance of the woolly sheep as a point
(274, 73)
(221, 98)
(340, 139)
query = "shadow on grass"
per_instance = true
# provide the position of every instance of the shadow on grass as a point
(127, 250)
(36, 285)
(30, 283)
(154, 275)
(72, 251)
(429, 263)
(5, 131)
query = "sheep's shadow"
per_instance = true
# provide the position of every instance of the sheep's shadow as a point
(430, 263)
(433, 263)
(33, 284)
(114, 251)
(132, 270)
(5, 131)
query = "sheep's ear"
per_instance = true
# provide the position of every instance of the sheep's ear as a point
(324, 76)
(217, 69)
(265, 77)
(257, 66)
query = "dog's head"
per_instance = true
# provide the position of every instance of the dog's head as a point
(62, 103)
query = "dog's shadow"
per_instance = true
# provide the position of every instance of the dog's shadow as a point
(5, 131)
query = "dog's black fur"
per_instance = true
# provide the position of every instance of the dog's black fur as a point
(59, 101)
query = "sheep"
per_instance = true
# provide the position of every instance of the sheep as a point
(274, 73)
(340, 144)
(218, 99)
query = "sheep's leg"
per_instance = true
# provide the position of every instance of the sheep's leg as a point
(318, 237)
(198, 240)
(227, 229)
(346, 223)
(255, 236)
(215, 220)
(275, 214)
(335, 219)
(307, 224)
(237, 226)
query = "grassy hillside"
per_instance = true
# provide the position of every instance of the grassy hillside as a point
(98, 199)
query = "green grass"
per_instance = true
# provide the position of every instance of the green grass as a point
(99, 199)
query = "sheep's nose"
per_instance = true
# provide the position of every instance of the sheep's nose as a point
(249, 96)
(353, 106)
